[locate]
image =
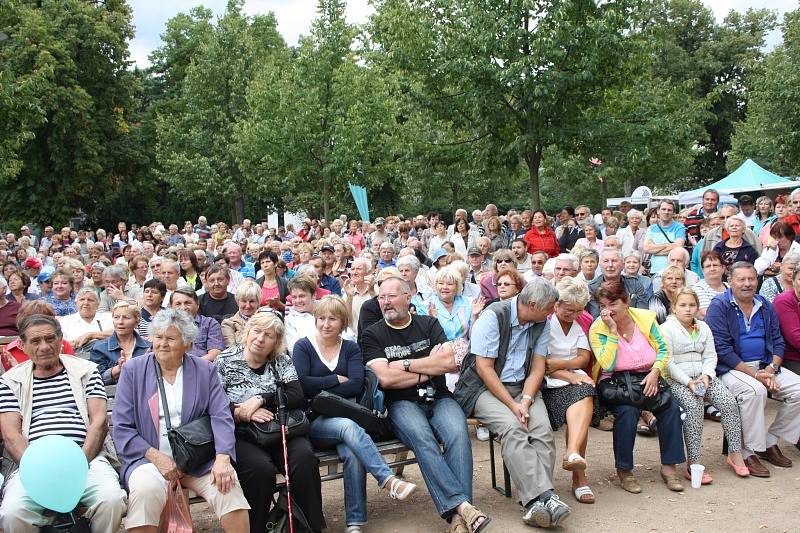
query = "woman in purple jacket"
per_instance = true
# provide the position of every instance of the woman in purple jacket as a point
(193, 389)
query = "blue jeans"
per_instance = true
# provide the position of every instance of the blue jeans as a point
(670, 435)
(423, 428)
(359, 455)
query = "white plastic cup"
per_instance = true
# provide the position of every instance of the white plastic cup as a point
(697, 475)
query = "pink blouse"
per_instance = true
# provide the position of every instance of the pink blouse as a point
(636, 355)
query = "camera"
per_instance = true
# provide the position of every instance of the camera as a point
(428, 394)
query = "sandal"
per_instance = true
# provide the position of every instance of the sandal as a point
(472, 516)
(457, 525)
(574, 462)
(583, 494)
(712, 413)
(400, 490)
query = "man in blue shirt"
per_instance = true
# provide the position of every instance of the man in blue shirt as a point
(326, 281)
(750, 347)
(234, 254)
(663, 237)
(510, 403)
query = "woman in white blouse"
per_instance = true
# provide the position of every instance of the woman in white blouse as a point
(568, 391)
(87, 325)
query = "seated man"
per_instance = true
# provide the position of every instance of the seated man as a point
(611, 266)
(750, 348)
(217, 302)
(115, 278)
(678, 257)
(510, 345)
(209, 342)
(38, 398)
(405, 352)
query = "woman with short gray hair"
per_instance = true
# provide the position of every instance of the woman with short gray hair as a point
(568, 391)
(592, 240)
(147, 459)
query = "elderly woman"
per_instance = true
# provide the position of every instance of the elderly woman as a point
(138, 268)
(78, 273)
(541, 238)
(672, 279)
(248, 296)
(273, 286)
(509, 284)
(780, 244)
(194, 390)
(787, 307)
(592, 239)
(632, 264)
(568, 390)
(409, 266)
(208, 341)
(692, 378)
(87, 325)
(763, 213)
(111, 353)
(711, 285)
(628, 340)
(589, 259)
(502, 260)
(115, 278)
(325, 361)
(496, 234)
(62, 297)
(251, 373)
(775, 285)
(18, 284)
(463, 238)
(735, 248)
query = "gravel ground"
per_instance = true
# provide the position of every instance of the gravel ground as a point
(729, 505)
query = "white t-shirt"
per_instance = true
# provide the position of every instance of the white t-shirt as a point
(174, 394)
(74, 326)
(564, 346)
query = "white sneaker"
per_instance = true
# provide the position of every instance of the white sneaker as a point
(483, 433)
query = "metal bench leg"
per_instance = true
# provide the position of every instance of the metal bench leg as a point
(506, 481)
(400, 456)
(505, 490)
(491, 462)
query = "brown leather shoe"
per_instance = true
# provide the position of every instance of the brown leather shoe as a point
(755, 467)
(773, 455)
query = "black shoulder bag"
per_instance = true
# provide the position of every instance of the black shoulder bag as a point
(625, 388)
(193, 442)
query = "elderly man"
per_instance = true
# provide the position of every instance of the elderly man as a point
(217, 302)
(169, 273)
(750, 350)
(611, 267)
(477, 222)
(678, 257)
(235, 262)
(565, 265)
(538, 259)
(243, 231)
(663, 236)
(500, 384)
(53, 394)
(209, 342)
(115, 278)
(47, 239)
(174, 237)
(202, 229)
(409, 355)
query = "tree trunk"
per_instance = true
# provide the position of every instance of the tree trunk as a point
(628, 185)
(456, 188)
(326, 198)
(280, 207)
(534, 160)
(238, 210)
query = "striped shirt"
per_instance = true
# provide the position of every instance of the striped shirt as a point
(54, 409)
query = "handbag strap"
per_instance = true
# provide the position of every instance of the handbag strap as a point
(164, 403)
(664, 233)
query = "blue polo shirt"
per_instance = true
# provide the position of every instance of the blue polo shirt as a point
(485, 342)
(752, 333)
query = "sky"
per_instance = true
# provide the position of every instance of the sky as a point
(295, 16)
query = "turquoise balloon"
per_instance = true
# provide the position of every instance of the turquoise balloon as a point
(53, 471)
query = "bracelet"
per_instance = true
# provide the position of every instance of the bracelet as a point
(527, 397)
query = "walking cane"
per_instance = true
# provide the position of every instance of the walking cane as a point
(282, 421)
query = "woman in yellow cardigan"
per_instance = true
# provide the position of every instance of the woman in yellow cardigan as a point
(628, 340)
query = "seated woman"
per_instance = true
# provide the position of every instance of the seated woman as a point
(672, 279)
(190, 269)
(509, 284)
(568, 390)
(250, 373)
(62, 297)
(502, 260)
(18, 284)
(711, 285)
(775, 285)
(139, 429)
(787, 307)
(153, 296)
(113, 352)
(633, 265)
(325, 361)
(628, 339)
(248, 296)
(692, 378)
(589, 259)
(273, 286)
(87, 325)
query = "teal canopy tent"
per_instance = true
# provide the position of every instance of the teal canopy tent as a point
(749, 177)
(360, 197)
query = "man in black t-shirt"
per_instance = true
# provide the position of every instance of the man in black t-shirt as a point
(409, 355)
(217, 302)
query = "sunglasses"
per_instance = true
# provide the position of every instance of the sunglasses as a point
(505, 284)
(505, 261)
(267, 309)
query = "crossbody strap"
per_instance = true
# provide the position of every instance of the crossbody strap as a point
(664, 233)
(165, 405)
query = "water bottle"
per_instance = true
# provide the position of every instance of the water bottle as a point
(700, 389)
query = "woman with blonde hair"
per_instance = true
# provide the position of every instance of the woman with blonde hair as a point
(568, 390)
(248, 297)
(327, 362)
(251, 373)
(125, 343)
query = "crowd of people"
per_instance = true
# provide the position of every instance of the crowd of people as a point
(632, 322)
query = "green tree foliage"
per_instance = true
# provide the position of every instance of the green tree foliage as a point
(65, 101)
(320, 120)
(771, 133)
(195, 128)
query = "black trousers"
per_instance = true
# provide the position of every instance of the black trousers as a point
(257, 468)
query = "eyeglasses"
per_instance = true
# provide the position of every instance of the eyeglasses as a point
(505, 261)
(505, 284)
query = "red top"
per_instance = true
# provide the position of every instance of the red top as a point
(788, 310)
(542, 242)
(14, 349)
(794, 221)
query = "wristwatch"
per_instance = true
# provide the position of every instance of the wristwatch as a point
(775, 368)
(407, 365)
